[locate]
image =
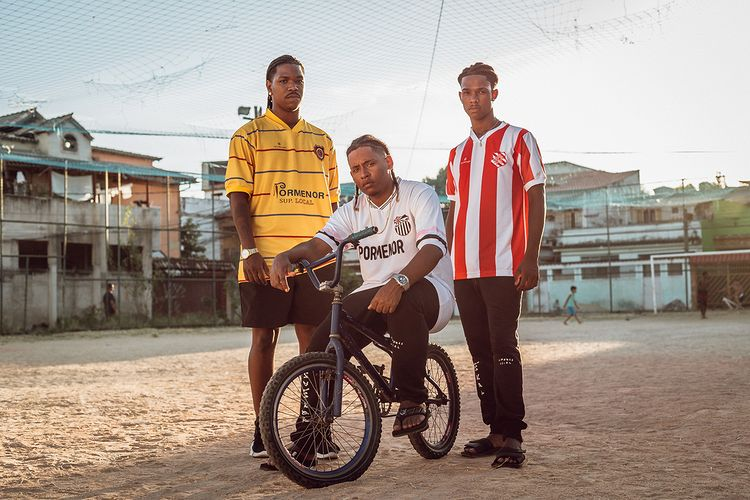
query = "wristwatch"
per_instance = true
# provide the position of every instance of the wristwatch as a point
(247, 252)
(402, 280)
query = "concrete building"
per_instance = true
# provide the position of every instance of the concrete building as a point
(74, 217)
(602, 228)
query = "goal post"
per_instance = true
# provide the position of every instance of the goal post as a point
(687, 258)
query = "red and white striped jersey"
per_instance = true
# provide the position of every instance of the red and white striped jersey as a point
(487, 178)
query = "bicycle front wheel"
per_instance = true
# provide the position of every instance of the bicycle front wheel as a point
(303, 438)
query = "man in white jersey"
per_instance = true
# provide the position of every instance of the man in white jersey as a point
(495, 181)
(408, 281)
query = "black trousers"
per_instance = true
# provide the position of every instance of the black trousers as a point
(409, 326)
(489, 309)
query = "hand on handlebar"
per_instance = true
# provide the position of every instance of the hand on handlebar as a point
(280, 268)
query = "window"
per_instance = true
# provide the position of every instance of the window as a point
(128, 258)
(674, 269)
(563, 274)
(647, 270)
(590, 273)
(32, 254)
(70, 143)
(77, 257)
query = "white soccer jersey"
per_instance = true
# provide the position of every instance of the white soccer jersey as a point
(406, 222)
(487, 178)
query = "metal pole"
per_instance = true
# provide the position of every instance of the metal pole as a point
(62, 269)
(25, 293)
(609, 248)
(685, 242)
(169, 257)
(119, 252)
(653, 284)
(2, 260)
(106, 225)
(213, 255)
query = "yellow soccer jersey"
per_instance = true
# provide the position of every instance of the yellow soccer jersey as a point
(291, 177)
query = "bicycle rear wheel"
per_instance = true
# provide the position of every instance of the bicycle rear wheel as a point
(296, 404)
(444, 404)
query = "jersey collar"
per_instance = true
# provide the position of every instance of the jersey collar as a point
(271, 116)
(491, 131)
(387, 201)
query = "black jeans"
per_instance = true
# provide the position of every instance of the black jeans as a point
(409, 326)
(489, 309)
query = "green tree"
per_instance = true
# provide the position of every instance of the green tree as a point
(189, 246)
(438, 182)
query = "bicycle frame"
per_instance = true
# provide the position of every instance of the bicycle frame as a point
(342, 324)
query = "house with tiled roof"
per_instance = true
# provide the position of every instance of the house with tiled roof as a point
(76, 216)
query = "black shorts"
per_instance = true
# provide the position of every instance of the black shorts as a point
(266, 307)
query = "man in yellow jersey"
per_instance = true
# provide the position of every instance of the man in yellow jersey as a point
(282, 183)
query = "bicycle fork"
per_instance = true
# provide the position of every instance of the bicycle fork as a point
(337, 346)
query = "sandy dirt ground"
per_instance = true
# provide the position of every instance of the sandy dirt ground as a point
(617, 407)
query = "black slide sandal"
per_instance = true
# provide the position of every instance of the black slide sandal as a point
(479, 448)
(514, 458)
(404, 413)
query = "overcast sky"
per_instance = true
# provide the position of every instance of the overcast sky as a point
(660, 86)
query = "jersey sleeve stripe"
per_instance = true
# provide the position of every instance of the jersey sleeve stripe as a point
(237, 179)
(241, 158)
(244, 139)
(331, 237)
(433, 236)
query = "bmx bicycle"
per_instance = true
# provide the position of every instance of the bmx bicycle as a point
(320, 415)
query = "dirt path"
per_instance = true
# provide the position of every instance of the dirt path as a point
(637, 408)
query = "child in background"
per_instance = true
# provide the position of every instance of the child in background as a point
(571, 306)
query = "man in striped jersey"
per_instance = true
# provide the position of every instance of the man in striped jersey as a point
(495, 181)
(282, 183)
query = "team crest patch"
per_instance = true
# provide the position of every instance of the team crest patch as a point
(319, 152)
(499, 159)
(402, 224)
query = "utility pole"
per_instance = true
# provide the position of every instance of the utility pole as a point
(685, 244)
(609, 247)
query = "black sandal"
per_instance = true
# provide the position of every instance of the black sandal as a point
(479, 448)
(514, 458)
(404, 413)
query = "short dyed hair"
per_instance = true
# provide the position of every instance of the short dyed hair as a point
(480, 68)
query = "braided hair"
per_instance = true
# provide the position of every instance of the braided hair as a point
(375, 144)
(271, 71)
(482, 69)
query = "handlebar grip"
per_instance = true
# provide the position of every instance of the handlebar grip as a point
(360, 235)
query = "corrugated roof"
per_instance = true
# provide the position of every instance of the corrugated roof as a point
(98, 166)
(591, 179)
(729, 258)
(127, 153)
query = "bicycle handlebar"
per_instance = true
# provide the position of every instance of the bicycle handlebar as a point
(309, 267)
(360, 235)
